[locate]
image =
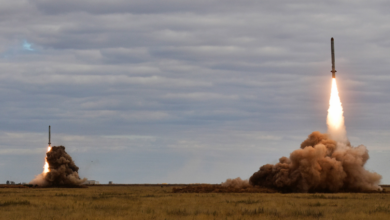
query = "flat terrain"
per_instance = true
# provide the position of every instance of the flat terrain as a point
(156, 202)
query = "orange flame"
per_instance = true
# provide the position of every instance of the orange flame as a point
(46, 166)
(335, 118)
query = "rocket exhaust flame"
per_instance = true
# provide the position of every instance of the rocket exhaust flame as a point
(335, 119)
(46, 166)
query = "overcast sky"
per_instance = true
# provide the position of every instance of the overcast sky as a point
(178, 91)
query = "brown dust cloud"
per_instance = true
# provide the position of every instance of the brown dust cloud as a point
(324, 162)
(61, 170)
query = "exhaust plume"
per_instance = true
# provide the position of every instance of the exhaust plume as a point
(325, 162)
(335, 119)
(59, 170)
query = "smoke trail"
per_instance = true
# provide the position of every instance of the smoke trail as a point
(62, 170)
(325, 162)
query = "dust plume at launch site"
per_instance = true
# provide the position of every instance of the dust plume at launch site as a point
(324, 162)
(59, 169)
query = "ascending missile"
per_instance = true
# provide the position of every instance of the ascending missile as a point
(332, 49)
(49, 136)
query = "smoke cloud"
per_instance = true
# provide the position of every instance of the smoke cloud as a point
(321, 165)
(62, 170)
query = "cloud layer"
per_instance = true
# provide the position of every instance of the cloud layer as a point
(199, 81)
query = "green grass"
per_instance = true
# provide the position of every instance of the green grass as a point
(154, 202)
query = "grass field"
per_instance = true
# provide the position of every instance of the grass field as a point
(155, 202)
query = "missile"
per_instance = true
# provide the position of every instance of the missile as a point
(333, 71)
(49, 136)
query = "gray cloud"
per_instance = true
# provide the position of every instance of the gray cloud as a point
(223, 77)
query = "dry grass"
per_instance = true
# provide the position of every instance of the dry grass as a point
(154, 202)
(217, 188)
